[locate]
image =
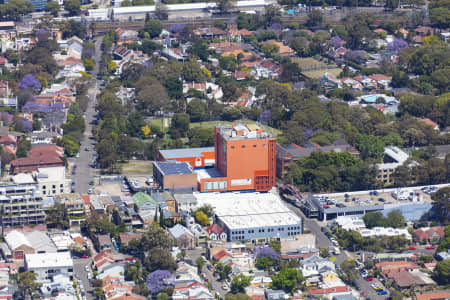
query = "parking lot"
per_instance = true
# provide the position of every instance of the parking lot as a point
(374, 198)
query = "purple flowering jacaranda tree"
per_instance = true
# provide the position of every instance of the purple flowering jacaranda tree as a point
(159, 280)
(29, 81)
(267, 252)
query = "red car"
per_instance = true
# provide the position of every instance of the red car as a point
(326, 206)
(431, 247)
(363, 293)
(84, 256)
(369, 279)
(412, 248)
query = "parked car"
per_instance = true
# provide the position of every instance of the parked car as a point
(369, 279)
(412, 248)
(382, 292)
(431, 247)
(224, 287)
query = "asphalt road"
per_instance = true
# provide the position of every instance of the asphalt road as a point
(193, 255)
(79, 265)
(322, 240)
(84, 172)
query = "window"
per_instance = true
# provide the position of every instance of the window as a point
(43, 187)
(254, 146)
(232, 147)
(53, 186)
(243, 146)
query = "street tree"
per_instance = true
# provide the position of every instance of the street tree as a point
(73, 7)
(225, 6)
(52, 7)
(239, 283)
(287, 279)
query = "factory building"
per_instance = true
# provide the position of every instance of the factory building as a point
(196, 157)
(256, 217)
(245, 160)
(242, 159)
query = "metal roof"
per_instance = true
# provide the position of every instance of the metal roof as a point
(174, 168)
(188, 152)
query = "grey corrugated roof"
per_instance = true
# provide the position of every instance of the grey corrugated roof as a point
(179, 230)
(188, 152)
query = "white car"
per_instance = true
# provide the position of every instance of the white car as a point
(86, 268)
(224, 287)
(90, 191)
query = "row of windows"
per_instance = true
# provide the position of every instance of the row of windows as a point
(254, 146)
(53, 186)
(215, 185)
(263, 230)
(293, 233)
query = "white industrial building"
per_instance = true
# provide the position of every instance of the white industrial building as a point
(200, 9)
(48, 265)
(252, 216)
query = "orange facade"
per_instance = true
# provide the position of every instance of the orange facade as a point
(245, 158)
(199, 160)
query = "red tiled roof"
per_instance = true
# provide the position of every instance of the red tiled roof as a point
(434, 295)
(7, 138)
(86, 199)
(245, 32)
(214, 228)
(439, 230)
(378, 77)
(70, 61)
(219, 255)
(422, 235)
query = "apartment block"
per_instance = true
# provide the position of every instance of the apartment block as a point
(21, 205)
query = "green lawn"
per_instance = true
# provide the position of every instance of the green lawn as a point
(316, 74)
(211, 124)
(137, 167)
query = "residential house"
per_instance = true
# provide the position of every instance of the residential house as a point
(315, 265)
(407, 279)
(283, 50)
(429, 234)
(285, 156)
(330, 292)
(432, 295)
(275, 294)
(216, 232)
(429, 122)
(267, 69)
(9, 143)
(182, 236)
(126, 237)
(381, 80)
(211, 90)
(187, 291)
